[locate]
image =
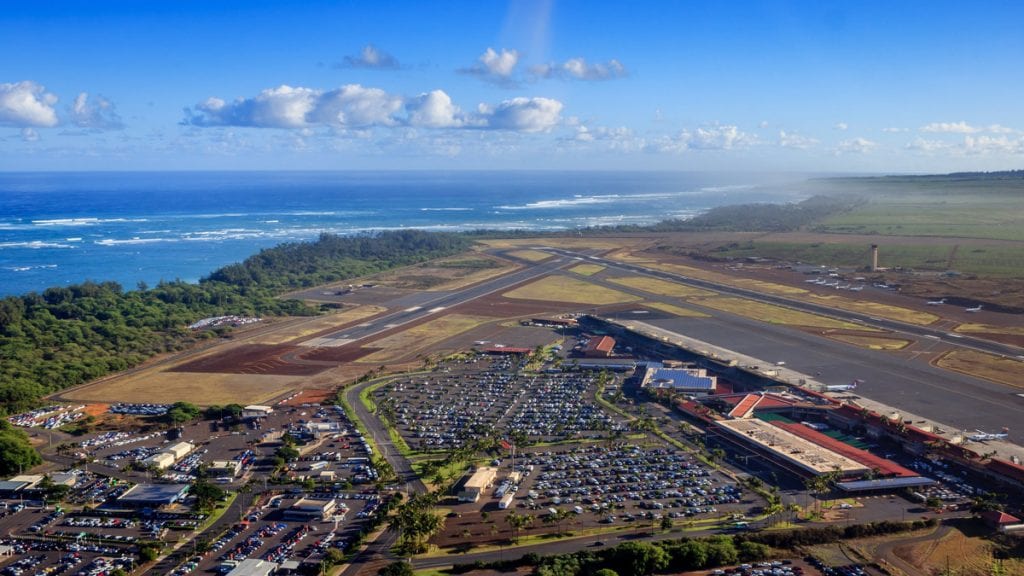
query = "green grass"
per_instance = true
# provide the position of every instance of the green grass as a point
(956, 214)
(944, 254)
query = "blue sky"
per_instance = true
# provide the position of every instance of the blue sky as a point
(792, 86)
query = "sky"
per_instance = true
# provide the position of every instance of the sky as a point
(816, 86)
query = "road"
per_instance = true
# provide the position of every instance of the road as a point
(408, 481)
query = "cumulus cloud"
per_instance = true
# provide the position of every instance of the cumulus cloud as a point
(714, 137)
(351, 105)
(796, 141)
(434, 110)
(495, 66)
(950, 128)
(856, 146)
(358, 107)
(841, 126)
(29, 135)
(27, 104)
(370, 58)
(924, 145)
(521, 114)
(580, 69)
(989, 145)
(100, 114)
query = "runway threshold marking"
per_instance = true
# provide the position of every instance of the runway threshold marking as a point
(436, 309)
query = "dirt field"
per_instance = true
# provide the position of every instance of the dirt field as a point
(988, 366)
(310, 396)
(565, 289)
(255, 359)
(318, 324)
(169, 387)
(423, 336)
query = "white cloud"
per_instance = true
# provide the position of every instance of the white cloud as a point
(371, 58)
(521, 114)
(790, 140)
(923, 145)
(714, 137)
(841, 126)
(579, 69)
(27, 104)
(358, 107)
(29, 135)
(434, 110)
(950, 128)
(993, 145)
(717, 138)
(763, 124)
(894, 130)
(856, 146)
(97, 115)
(287, 107)
(496, 67)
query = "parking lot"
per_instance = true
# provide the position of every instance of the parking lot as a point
(267, 535)
(468, 398)
(601, 484)
(33, 557)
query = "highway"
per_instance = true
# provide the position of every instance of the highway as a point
(962, 341)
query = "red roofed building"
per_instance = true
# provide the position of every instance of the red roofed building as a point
(997, 519)
(599, 347)
(885, 467)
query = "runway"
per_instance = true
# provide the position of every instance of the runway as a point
(917, 387)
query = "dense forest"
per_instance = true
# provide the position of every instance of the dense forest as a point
(69, 335)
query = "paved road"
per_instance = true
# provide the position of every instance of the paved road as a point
(408, 481)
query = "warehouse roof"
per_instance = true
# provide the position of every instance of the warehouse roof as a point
(679, 378)
(154, 493)
(804, 453)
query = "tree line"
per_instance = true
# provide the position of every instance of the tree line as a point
(68, 335)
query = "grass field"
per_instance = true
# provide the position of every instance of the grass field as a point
(939, 255)
(586, 269)
(317, 324)
(422, 336)
(569, 243)
(683, 270)
(988, 366)
(876, 309)
(872, 342)
(958, 553)
(662, 287)
(990, 329)
(566, 289)
(530, 255)
(200, 388)
(772, 314)
(676, 310)
(993, 216)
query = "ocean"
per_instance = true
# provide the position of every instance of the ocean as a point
(64, 228)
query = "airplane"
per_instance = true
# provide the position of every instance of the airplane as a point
(975, 309)
(843, 387)
(936, 302)
(985, 436)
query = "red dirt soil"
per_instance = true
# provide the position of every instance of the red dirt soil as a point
(253, 359)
